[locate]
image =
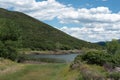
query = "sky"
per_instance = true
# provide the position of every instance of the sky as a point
(89, 20)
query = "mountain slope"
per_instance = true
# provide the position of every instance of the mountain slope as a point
(38, 35)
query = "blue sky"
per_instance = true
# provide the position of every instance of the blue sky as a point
(89, 20)
(113, 5)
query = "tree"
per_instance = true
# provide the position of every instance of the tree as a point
(112, 46)
(9, 41)
(58, 45)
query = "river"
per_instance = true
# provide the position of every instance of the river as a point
(58, 57)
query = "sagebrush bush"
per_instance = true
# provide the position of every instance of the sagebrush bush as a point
(92, 72)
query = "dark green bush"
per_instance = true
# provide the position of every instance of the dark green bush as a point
(8, 52)
(96, 57)
(99, 58)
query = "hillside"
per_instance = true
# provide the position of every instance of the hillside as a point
(37, 35)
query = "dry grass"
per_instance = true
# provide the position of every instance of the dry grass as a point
(93, 72)
(49, 71)
(7, 67)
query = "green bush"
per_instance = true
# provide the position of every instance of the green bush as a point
(116, 59)
(113, 46)
(96, 57)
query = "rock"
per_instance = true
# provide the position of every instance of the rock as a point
(117, 69)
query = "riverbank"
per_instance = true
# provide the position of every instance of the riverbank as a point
(53, 52)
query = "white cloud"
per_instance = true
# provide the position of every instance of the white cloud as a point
(94, 33)
(98, 24)
(83, 15)
(44, 10)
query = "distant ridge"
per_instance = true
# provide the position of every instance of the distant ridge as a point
(37, 35)
(103, 43)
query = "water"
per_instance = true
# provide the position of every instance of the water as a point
(57, 57)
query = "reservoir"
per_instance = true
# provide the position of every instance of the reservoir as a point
(56, 57)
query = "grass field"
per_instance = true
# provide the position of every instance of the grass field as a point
(45, 71)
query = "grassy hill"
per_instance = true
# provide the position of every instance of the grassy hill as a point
(37, 35)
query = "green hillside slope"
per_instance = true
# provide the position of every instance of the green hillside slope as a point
(38, 35)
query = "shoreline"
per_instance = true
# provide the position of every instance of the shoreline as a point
(57, 52)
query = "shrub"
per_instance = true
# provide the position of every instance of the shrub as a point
(92, 72)
(112, 47)
(96, 57)
(116, 59)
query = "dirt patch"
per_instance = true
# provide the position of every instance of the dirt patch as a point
(12, 69)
